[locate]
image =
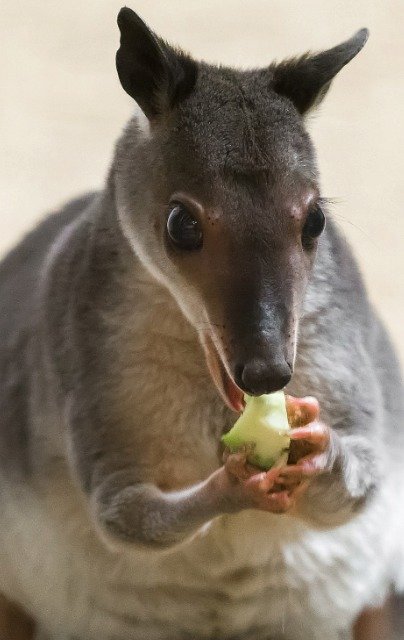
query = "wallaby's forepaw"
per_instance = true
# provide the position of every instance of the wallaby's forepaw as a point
(250, 488)
(312, 452)
(329, 477)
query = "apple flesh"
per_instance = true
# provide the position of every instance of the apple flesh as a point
(263, 427)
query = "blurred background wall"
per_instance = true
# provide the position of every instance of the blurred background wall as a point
(61, 107)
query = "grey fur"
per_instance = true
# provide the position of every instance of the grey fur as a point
(79, 391)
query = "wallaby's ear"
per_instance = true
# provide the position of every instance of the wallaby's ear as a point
(306, 80)
(153, 73)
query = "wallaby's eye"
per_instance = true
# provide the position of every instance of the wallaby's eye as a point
(313, 227)
(183, 229)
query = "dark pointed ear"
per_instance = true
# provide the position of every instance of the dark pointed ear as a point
(151, 72)
(306, 80)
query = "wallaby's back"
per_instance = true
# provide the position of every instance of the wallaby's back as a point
(20, 305)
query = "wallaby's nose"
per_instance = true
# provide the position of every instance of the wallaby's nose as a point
(257, 376)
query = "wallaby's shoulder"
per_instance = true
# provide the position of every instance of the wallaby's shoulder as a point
(31, 249)
(19, 270)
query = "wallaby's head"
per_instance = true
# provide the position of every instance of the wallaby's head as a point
(217, 191)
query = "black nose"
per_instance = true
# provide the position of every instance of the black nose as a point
(257, 376)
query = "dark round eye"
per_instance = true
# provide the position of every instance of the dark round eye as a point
(314, 225)
(183, 229)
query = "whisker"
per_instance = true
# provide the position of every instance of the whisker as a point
(332, 201)
(205, 323)
(355, 226)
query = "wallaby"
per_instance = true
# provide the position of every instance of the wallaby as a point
(132, 322)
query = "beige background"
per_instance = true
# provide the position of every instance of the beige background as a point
(62, 107)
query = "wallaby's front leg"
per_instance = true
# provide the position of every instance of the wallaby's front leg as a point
(134, 512)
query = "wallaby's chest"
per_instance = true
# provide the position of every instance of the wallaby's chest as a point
(173, 415)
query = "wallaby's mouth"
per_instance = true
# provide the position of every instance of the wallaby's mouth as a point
(230, 392)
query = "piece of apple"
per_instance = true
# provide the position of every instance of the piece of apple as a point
(264, 426)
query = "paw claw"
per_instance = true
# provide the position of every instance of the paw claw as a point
(302, 411)
(237, 466)
(316, 434)
(280, 502)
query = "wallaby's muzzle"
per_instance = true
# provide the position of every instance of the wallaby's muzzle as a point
(251, 349)
(255, 376)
